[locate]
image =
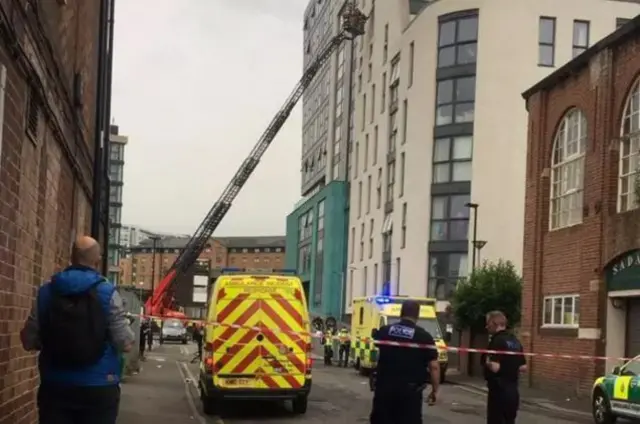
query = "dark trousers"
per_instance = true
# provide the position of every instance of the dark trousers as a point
(396, 407)
(328, 354)
(343, 354)
(78, 405)
(503, 404)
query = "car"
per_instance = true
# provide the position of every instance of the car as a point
(173, 330)
(617, 394)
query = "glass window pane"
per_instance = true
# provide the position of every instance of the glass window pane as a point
(467, 29)
(445, 91)
(557, 311)
(457, 266)
(576, 311)
(545, 55)
(577, 51)
(580, 34)
(461, 171)
(441, 150)
(439, 208)
(458, 208)
(447, 56)
(441, 173)
(462, 147)
(447, 33)
(444, 115)
(464, 112)
(548, 308)
(437, 266)
(547, 30)
(467, 53)
(439, 230)
(458, 229)
(465, 89)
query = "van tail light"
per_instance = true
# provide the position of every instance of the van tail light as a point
(208, 357)
(309, 359)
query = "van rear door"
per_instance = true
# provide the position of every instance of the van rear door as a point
(255, 341)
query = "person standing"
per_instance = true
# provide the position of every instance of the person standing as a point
(145, 329)
(327, 341)
(502, 371)
(345, 346)
(402, 373)
(79, 327)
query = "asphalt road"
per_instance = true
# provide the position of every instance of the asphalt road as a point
(165, 392)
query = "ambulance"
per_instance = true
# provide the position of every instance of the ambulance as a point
(371, 313)
(257, 340)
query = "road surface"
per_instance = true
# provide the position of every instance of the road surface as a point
(165, 392)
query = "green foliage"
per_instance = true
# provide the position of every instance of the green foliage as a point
(493, 286)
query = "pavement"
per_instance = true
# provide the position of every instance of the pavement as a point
(165, 392)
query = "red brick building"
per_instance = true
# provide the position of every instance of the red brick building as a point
(48, 66)
(582, 222)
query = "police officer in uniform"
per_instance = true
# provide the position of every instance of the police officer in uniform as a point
(403, 372)
(502, 371)
(345, 345)
(327, 340)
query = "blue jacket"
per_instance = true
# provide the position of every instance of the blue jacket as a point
(76, 279)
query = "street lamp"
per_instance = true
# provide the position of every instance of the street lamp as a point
(141, 286)
(479, 244)
(474, 206)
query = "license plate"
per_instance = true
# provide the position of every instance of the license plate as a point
(237, 381)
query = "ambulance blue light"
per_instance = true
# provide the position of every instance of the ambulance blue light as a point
(386, 289)
(383, 300)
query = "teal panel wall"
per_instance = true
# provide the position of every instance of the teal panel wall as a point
(329, 300)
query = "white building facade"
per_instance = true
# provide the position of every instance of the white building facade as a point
(441, 130)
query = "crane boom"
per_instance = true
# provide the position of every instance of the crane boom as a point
(353, 21)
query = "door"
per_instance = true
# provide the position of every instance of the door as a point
(632, 336)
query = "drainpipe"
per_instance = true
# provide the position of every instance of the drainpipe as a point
(96, 204)
(107, 131)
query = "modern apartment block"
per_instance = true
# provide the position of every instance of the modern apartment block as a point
(326, 131)
(441, 132)
(116, 184)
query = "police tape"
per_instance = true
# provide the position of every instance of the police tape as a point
(451, 349)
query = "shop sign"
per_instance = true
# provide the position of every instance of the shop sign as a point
(623, 273)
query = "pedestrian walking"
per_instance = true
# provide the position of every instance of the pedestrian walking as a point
(198, 337)
(403, 372)
(145, 329)
(345, 346)
(502, 371)
(79, 327)
(149, 338)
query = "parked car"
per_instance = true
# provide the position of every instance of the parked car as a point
(617, 394)
(173, 330)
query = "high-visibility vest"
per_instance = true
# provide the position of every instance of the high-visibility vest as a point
(328, 339)
(344, 337)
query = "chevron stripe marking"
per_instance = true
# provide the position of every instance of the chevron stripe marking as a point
(270, 382)
(230, 331)
(246, 361)
(282, 324)
(288, 377)
(295, 361)
(286, 305)
(232, 306)
(246, 338)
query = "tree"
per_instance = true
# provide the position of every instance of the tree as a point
(493, 286)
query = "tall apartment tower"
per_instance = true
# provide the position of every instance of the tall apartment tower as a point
(116, 177)
(441, 133)
(322, 212)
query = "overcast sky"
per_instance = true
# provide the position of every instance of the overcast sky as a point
(195, 84)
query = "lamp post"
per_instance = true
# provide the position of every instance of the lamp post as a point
(140, 287)
(478, 245)
(474, 240)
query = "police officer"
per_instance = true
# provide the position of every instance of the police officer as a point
(502, 371)
(403, 372)
(328, 346)
(345, 346)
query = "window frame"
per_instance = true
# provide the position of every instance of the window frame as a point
(552, 44)
(434, 280)
(450, 162)
(575, 311)
(456, 43)
(629, 141)
(557, 195)
(576, 47)
(448, 219)
(454, 103)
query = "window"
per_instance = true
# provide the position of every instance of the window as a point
(621, 22)
(411, 62)
(353, 244)
(546, 41)
(379, 189)
(361, 242)
(319, 271)
(368, 194)
(383, 95)
(391, 180)
(373, 103)
(402, 170)
(445, 270)
(405, 118)
(374, 160)
(452, 159)
(33, 113)
(351, 288)
(385, 50)
(304, 259)
(449, 217)
(393, 131)
(375, 278)
(395, 70)
(629, 151)
(567, 170)
(580, 37)
(371, 232)
(364, 281)
(320, 215)
(458, 42)
(403, 233)
(455, 100)
(356, 160)
(561, 311)
(364, 110)
(359, 199)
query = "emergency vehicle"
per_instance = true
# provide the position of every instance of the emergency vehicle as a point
(371, 313)
(617, 394)
(257, 340)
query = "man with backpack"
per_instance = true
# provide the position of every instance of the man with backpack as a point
(79, 325)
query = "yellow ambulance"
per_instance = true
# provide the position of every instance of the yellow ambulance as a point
(373, 312)
(257, 340)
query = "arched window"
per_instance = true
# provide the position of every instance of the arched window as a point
(629, 151)
(567, 170)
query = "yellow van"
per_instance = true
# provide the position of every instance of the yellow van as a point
(373, 312)
(257, 340)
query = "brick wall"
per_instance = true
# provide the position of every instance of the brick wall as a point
(571, 260)
(45, 178)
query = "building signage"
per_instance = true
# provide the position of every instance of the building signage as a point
(623, 273)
